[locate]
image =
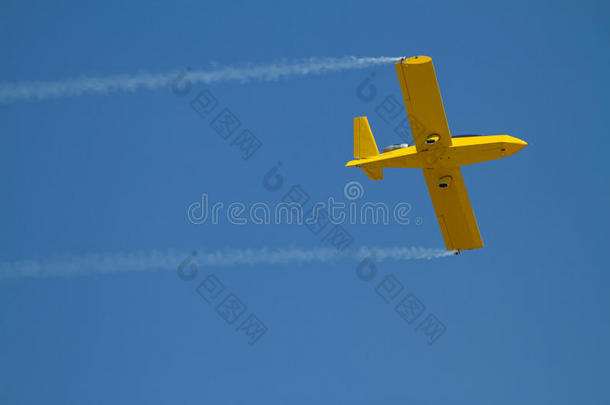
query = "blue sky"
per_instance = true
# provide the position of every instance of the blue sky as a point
(525, 318)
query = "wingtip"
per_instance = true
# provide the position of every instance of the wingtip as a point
(414, 60)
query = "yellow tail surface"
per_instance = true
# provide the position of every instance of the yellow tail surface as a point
(365, 147)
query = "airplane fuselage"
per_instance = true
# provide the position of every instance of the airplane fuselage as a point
(463, 151)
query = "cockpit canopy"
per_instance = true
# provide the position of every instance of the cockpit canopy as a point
(395, 146)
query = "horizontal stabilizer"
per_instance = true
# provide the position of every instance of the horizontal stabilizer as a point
(374, 172)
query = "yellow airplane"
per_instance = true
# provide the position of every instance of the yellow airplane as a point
(435, 151)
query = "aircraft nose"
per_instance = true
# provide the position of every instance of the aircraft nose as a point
(519, 144)
(514, 146)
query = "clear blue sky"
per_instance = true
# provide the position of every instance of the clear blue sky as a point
(526, 317)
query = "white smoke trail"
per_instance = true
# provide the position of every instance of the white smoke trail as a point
(41, 90)
(170, 260)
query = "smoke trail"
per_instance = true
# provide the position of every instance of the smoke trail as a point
(169, 260)
(41, 90)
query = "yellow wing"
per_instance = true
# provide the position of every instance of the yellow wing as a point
(423, 101)
(453, 210)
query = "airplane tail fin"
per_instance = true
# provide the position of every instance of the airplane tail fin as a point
(364, 143)
(365, 147)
